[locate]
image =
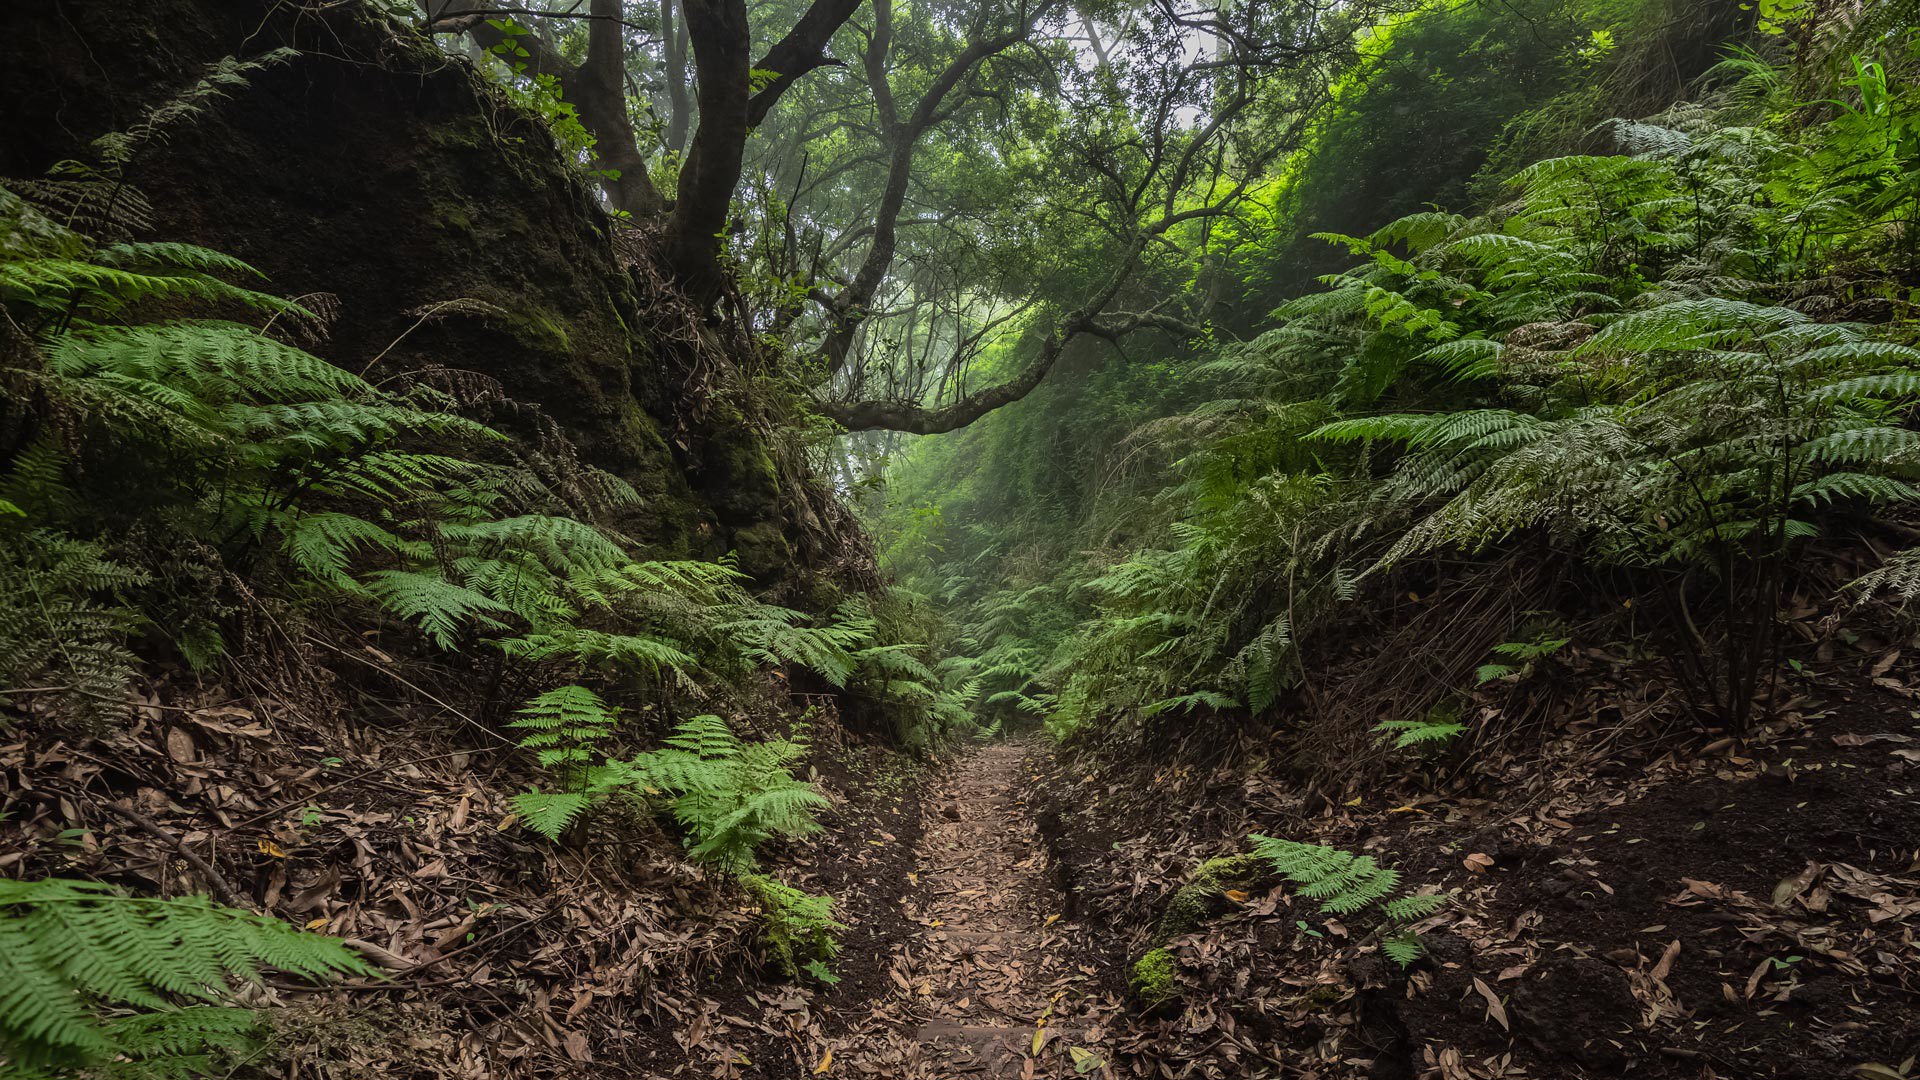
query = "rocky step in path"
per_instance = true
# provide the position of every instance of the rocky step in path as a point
(993, 984)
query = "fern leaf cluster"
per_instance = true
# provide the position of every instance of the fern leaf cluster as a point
(71, 951)
(1426, 731)
(800, 927)
(730, 796)
(376, 497)
(63, 619)
(1345, 884)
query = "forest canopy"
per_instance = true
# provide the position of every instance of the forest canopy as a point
(934, 202)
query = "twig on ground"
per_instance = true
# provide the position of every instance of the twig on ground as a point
(222, 888)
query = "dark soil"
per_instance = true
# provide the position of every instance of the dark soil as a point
(605, 955)
(1740, 912)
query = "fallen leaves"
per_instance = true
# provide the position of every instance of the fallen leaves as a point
(1496, 1010)
(1850, 739)
(1665, 967)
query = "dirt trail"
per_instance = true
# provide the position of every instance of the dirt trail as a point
(995, 966)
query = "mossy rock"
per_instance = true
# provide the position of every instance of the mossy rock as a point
(1153, 980)
(1324, 996)
(537, 328)
(1204, 894)
(763, 551)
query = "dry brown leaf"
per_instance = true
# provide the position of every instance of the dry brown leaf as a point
(1790, 888)
(1753, 980)
(180, 745)
(1850, 739)
(1665, 966)
(1495, 1009)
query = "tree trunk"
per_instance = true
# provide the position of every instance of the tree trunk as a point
(721, 60)
(802, 50)
(673, 40)
(596, 89)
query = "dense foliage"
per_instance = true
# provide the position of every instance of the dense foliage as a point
(1685, 357)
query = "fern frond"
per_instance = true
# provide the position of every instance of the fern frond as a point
(440, 609)
(549, 813)
(71, 949)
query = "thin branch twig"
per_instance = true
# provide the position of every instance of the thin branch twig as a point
(222, 888)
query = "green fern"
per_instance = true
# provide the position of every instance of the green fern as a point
(800, 927)
(442, 609)
(1426, 731)
(75, 955)
(1344, 884)
(1403, 947)
(373, 497)
(550, 813)
(220, 80)
(62, 622)
(774, 636)
(730, 796)
(565, 728)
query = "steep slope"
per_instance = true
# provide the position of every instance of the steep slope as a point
(373, 167)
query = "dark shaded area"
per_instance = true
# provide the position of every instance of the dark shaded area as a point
(375, 168)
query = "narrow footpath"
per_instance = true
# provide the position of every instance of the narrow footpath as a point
(991, 987)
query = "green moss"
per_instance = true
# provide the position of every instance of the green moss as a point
(1153, 980)
(454, 216)
(763, 551)
(1200, 898)
(1324, 995)
(459, 133)
(536, 329)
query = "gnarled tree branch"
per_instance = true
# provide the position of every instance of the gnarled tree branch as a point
(595, 88)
